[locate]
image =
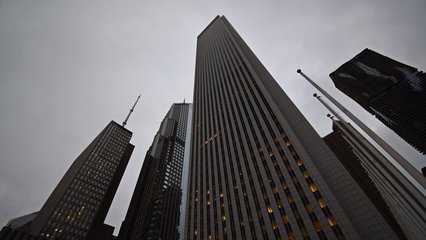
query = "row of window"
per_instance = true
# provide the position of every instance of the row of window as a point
(205, 92)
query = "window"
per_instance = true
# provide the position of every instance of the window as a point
(314, 187)
(331, 221)
(322, 203)
(318, 226)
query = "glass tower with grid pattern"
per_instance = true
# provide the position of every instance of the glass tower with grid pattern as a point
(258, 169)
(393, 92)
(157, 208)
(77, 207)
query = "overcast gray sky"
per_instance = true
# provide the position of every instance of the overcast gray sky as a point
(69, 67)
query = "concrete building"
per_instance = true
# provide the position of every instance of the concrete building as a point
(157, 208)
(258, 169)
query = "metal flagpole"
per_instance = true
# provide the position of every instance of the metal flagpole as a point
(385, 146)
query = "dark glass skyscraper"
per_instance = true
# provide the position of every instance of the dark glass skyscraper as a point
(157, 208)
(258, 169)
(77, 207)
(392, 91)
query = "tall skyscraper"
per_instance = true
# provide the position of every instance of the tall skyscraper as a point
(398, 200)
(392, 91)
(157, 208)
(77, 207)
(258, 169)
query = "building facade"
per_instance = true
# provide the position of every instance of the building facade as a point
(393, 92)
(258, 169)
(157, 207)
(398, 200)
(77, 207)
(18, 228)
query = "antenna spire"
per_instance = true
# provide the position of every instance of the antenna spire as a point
(131, 110)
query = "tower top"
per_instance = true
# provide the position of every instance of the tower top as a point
(131, 110)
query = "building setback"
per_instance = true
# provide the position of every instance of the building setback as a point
(393, 92)
(157, 208)
(258, 169)
(77, 207)
(18, 228)
(398, 200)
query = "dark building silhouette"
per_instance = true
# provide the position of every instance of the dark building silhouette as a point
(398, 200)
(77, 207)
(258, 169)
(8, 233)
(18, 228)
(157, 207)
(392, 91)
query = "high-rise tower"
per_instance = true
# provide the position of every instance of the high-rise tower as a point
(392, 91)
(77, 207)
(398, 200)
(157, 208)
(258, 169)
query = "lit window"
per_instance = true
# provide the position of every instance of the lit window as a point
(285, 219)
(274, 225)
(314, 187)
(306, 174)
(322, 203)
(224, 218)
(269, 209)
(299, 162)
(331, 221)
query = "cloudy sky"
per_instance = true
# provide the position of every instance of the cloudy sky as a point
(69, 67)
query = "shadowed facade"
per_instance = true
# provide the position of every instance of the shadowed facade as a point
(78, 206)
(157, 208)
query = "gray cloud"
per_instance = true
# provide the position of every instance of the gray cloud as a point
(69, 67)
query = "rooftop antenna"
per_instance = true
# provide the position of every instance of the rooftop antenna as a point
(131, 110)
(183, 100)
